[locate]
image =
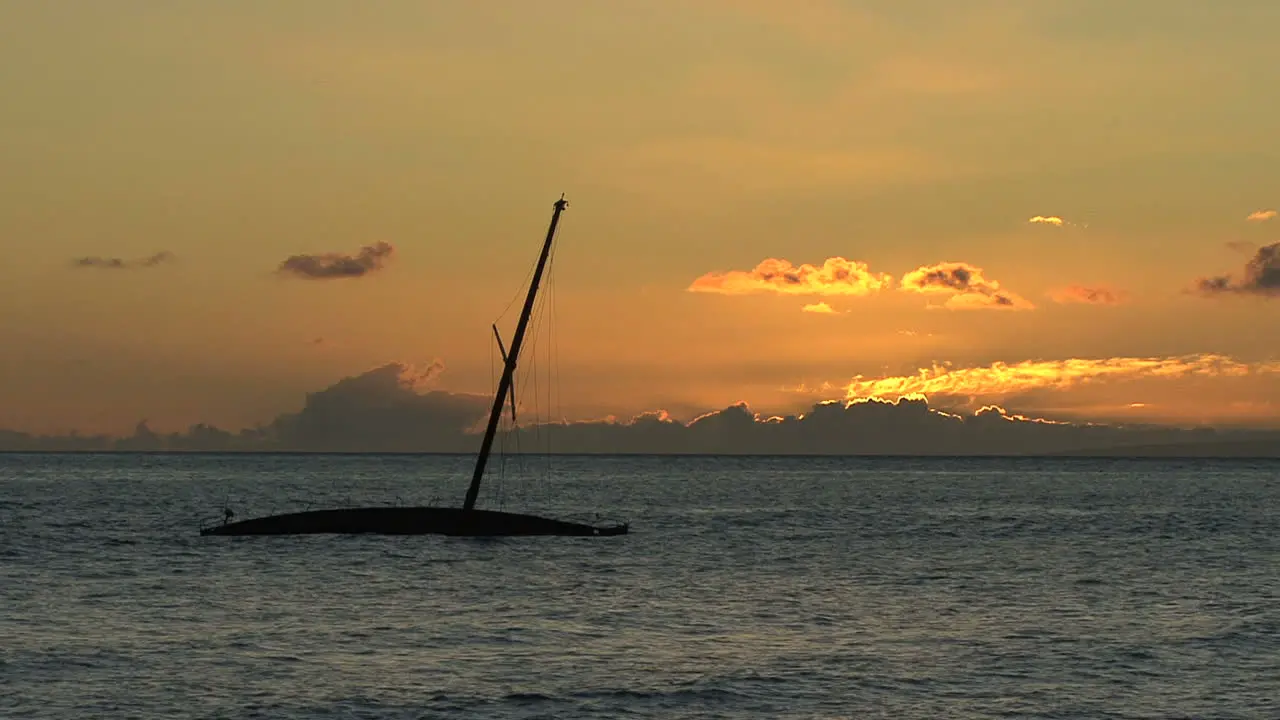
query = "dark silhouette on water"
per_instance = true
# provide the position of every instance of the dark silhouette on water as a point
(467, 520)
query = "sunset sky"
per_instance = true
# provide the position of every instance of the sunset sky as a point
(1067, 207)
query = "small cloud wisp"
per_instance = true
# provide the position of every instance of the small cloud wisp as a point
(1097, 295)
(1053, 220)
(1261, 215)
(328, 266)
(115, 263)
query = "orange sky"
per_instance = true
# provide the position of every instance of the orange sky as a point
(768, 200)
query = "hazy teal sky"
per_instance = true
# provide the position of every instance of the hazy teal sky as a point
(691, 137)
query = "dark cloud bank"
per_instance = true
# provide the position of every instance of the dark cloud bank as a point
(381, 411)
(1261, 276)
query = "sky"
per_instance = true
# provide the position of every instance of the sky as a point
(1066, 208)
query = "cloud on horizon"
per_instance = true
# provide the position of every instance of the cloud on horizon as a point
(328, 266)
(384, 409)
(836, 276)
(965, 283)
(1261, 277)
(1089, 295)
(115, 263)
(392, 408)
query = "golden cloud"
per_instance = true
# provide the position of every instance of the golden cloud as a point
(1053, 220)
(966, 285)
(819, 307)
(1099, 295)
(1004, 378)
(837, 276)
(1261, 215)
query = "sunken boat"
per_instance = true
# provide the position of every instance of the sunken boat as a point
(467, 520)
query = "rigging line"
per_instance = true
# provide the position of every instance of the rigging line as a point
(496, 490)
(519, 290)
(554, 362)
(552, 373)
(552, 356)
(546, 328)
(555, 355)
(534, 341)
(535, 367)
(530, 376)
(497, 481)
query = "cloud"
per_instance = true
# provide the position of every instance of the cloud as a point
(387, 409)
(837, 276)
(1053, 220)
(820, 308)
(966, 285)
(1098, 295)
(115, 263)
(325, 266)
(1003, 379)
(1261, 215)
(1261, 276)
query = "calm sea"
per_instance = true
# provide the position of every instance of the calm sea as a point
(749, 588)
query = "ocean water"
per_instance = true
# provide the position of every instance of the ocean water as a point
(749, 588)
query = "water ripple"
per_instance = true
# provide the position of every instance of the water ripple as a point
(750, 587)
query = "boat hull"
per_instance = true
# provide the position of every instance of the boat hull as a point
(392, 520)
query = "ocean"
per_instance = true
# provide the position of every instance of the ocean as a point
(749, 587)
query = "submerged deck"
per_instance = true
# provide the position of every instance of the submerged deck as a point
(392, 520)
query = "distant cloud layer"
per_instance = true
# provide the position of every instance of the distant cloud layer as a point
(1261, 276)
(836, 276)
(965, 283)
(115, 263)
(328, 266)
(1261, 215)
(1005, 378)
(390, 409)
(1096, 295)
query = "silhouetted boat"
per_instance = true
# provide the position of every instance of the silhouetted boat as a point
(466, 520)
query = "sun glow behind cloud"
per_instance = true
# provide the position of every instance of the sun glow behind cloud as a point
(1001, 379)
(836, 276)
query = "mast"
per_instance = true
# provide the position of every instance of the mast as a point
(509, 367)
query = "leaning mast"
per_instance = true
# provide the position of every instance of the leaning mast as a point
(509, 361)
